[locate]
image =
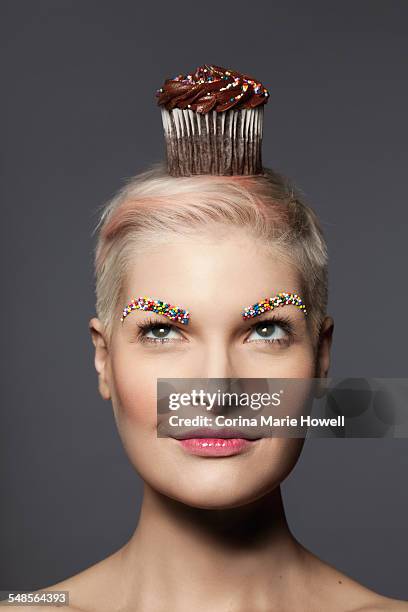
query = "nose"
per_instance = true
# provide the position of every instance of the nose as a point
(215, 361)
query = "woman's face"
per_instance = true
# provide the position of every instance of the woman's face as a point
(214, 278)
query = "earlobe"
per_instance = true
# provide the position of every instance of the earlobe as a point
(101, 356)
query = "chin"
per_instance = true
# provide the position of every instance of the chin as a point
(217, 493)
(217, 500)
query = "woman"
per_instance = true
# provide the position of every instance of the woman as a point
(212, 233)
(212, 533)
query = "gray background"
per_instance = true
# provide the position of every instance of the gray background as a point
(78, 117)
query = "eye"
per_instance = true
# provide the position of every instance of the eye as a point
(270, 331)
(157, 332)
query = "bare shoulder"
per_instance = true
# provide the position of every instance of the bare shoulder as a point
(384, 604)
(46, 608)
(91, 590)
(367, 600)
(341, 593)
(358, 598)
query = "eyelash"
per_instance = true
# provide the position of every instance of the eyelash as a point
(283, 322)
(147, 326)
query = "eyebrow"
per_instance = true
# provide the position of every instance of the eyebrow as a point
(266, 304)
(175, 313)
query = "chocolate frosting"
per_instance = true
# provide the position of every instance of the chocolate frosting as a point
(212, 88)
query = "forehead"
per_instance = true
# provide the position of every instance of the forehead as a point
(204, 271)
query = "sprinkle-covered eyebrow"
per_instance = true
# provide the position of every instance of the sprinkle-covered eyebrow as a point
(175, 313)
(280, 299)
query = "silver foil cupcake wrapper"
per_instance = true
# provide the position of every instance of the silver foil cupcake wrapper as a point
(225, 143)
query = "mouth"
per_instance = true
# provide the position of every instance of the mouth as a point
(220, 442)
(221, 433)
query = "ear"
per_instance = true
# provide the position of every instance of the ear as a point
(101, 356)
(323, 352)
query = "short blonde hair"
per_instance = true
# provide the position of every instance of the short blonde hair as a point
(153, 206)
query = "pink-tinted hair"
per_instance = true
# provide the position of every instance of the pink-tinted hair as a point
(154, 206)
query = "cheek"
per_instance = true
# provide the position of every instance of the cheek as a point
(298, 361)
(302, 359)
(303, 363)
(134, 391)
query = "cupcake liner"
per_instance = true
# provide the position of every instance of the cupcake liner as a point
(226, 143)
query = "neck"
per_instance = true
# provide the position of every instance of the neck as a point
(225, 558)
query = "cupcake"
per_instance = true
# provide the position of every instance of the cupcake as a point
(212, 122)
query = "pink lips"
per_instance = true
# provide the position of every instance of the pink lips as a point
(215, 447)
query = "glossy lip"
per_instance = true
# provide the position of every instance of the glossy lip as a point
(213, 433)
(216, 447)
(221, 442)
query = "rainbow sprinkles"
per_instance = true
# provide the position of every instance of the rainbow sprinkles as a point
(280, 299)
(175, 313)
